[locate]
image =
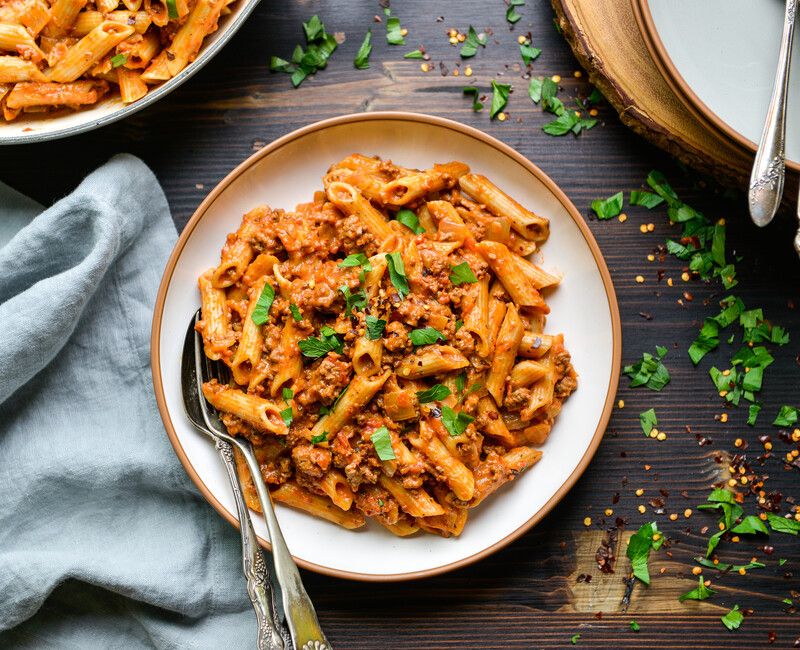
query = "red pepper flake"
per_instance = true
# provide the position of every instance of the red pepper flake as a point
(771, 636)
(605, 553)
(599, 616)
(615, 498)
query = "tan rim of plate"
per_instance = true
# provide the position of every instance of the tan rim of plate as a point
(155, 360)
(684, 92)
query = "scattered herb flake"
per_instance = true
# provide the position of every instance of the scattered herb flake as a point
(410, 221)
(645, 199)
(733, 619)
(362, 56)
(786, 417)
(375, 327)
(511, 13)
(435, 393)
(471, 43)
(322, 437)
(382, 442)
(397, 273)
(700, 593)
(499, 97)
(425, 336)
(528, 52)
(477, 105)
(648, 420)
(649, 371)
(608, 208)
(260, 314)
(783, 525)
(639, 547)
(295, 312)
(455, 422)
(394, 35)
(462, 274)
(634, 626)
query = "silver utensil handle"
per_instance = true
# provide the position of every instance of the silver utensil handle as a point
(253, 564)
(766, 179)
(301, 619)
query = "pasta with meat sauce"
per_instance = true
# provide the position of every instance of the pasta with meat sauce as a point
(386, 345)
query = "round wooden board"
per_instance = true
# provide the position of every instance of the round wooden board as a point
(605, 37)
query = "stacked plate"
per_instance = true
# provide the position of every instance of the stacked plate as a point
(719, 58)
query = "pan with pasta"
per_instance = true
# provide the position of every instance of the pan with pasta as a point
(386, 345)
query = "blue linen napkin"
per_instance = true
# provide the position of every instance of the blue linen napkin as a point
(104, 541)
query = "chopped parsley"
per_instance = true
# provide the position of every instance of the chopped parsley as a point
(787, 416)
(328, 341)
(645, 199)
(394, 33)
(472, 389)
(260, 314)
(648, 420)
(287, 394)
(353, 300)
(511, 13)
(649, 371)
(752, 414)
(528, 52)
(319, 47)
(119, 59)
(295, 312)
(634, 626)
(543, 89)
(455, 422)
(375, 327)
(459, 324)
(287, 416)
(750, 525)
(608, 208)
(723, 566)
(172, 10)
(414, 54)
(477, 105)
(410, 221)
(382, 442)
(471, 43)
(426, 336)
(322, 437)
(733, 619)
(783, 525)
(574, 639)
(357, 259)
(462, 274)
(647, 538)
(362, 56)
(461, 382)
(499, 97)
(435, 393)
(397, 273)
(724, 501)
(700, 593)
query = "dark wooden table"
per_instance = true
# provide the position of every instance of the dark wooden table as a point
(535, 592)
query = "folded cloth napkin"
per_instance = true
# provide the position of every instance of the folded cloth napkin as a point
(104, 541)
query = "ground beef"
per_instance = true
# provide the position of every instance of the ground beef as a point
(517, 399)
(310, 460)
(325, 380)
(395, 337)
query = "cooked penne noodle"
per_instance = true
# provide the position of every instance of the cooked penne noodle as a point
(260, 413)
(403, 393)
(201, 22)
(358, 393)
(62, 16)
(508, 340)
(25, 95)
(526, 223)
(15, 38)
(293, 495)
(14, 69)
(89, 50)
(432, 360)
(131, 86)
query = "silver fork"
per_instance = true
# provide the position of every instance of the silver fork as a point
(769, 168)
(297, 612)
(271, 634)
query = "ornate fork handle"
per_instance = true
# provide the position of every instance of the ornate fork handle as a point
(766, 179)
(253, 563)
(301, 619)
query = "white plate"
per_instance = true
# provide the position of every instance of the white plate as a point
(584, 308)
(43, 127)
(722, 54)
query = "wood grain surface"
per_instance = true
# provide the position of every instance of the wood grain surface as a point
(534, 594)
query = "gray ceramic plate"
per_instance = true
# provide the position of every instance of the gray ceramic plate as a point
(65, 123)
(721, 55)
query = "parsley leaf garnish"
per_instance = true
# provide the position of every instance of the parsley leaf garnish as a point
(357, 300)
(394, 35)
(382, 442)
(499, 97)
(319, 46)
(723, 500)
(425, 336)
(634, 626)
(639, 547)
(287, 394)
(375, 327)
(287, 416)
(750, 525)
(471, 43)
(645, 199)
(261, 312)
(723, 566)
(648, 420)
(410, 221)
(700, 593)
(397, 274)
(119, 59)
(733, 619)
(362, 56)
(574, 639)
(461, 382)
(414, 54)
(435, 393)
(608, 208)
(528, 52)
(455, 422)
(786, 417)
(295, 312)
(783, 525)
(329, 341)
(476, 104)
(511, 13)
(462, 274)
(322, 437)
(649, 371)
